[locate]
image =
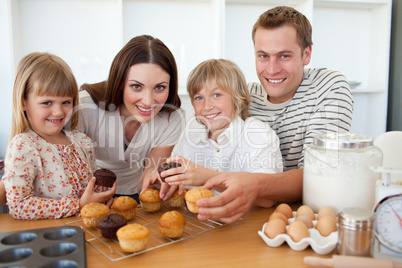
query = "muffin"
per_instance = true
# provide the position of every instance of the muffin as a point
(150, 200)
(171, 224)
(109, 224)
(176, 200)
(194, 194)
(166, 166)
(125, 206)
(91, 213)
(104, 177)
(133, 237)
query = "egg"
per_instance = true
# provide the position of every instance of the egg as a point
(326, 225)
(306, 220)
(275, 227)
(305, 210)
(285, 210)
(298, 230)
(277, 215)
(325, 211)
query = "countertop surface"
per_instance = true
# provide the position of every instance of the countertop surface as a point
(233, 245)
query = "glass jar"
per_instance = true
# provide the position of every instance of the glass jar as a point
(337, 171)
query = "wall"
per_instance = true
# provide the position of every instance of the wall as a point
(394, 121)
(6, 76)
(365, 121)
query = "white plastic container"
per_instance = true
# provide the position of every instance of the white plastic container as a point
(337, 172)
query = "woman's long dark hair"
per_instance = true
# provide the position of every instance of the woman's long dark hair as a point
(108, 95)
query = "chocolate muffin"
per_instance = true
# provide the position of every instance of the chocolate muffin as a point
(105, 177)
(166, 166)
(110, 223)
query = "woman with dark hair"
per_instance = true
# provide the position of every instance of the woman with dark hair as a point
(133, 117)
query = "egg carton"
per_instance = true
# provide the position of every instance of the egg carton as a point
(320, 244)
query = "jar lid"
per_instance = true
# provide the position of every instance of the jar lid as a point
(356, 218)
(343, 141)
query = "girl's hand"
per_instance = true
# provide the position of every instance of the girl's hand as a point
(188, 174)
(3, 200)
(90, 195)
(152, 178)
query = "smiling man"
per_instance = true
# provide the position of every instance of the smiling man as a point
(299, 103)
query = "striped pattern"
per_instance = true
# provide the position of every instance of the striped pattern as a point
(322, 103)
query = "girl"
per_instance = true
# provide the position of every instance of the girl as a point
(134, 118)
(48, 168)
(230, 140)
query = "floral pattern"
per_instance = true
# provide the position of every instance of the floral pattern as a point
(45, 180)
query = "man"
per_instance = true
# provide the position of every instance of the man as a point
(299, 103)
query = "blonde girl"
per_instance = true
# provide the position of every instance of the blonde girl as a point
(229, 140)
(49, 165)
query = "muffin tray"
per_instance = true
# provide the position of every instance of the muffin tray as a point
(110, 248)
(320, 244)
(62, 247)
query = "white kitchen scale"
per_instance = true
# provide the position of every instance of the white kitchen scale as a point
(387, 237)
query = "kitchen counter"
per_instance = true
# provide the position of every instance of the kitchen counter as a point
(234, 245)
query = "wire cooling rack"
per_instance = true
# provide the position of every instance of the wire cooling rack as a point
(111, 248)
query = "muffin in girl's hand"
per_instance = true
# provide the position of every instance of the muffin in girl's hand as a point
(194, 194)
(125, 206)
(176, 200)
(91, 213)
(150, 200)
(109, 224)
(171, 224)
(105, 177)
(133, 237)
(166, 166)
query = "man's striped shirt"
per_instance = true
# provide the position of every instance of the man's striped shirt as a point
(323, 102)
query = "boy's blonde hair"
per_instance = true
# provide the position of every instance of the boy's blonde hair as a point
(228, 77)
(42, 74)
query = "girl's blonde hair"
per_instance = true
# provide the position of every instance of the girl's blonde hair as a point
(42, 74)
(228, 77)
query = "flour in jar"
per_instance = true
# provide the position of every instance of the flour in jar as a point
(340, 178)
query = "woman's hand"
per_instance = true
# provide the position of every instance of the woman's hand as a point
(188, 174)
(90, 195)
(150, 175)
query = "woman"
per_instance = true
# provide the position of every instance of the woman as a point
(134, 118)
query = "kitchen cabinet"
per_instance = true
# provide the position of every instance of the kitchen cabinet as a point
(351, 36)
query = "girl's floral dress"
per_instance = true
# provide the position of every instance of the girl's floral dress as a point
(45, 180)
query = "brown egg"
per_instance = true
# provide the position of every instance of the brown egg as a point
(305, 210)
(277, 215)
(306, 220)
(325, 211)
(298, 230)
(275, 227)
(326, 225)
(285, 210)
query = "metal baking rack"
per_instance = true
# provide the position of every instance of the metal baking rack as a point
(110, 248)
